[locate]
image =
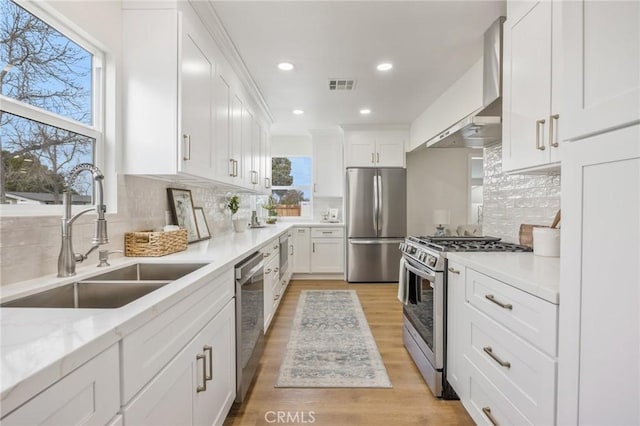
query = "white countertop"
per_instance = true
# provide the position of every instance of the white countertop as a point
(536, 275)
(40, 346)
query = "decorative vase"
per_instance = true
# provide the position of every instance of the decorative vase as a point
(239, 223)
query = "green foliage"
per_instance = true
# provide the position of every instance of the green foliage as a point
(271, 206)
(25, 173)
(289, 196)
(281, 171)
(234, 204)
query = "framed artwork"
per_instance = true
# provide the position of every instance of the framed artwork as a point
(201, 221)
(181, 204)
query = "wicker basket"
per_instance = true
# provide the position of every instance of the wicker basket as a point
(150, 243)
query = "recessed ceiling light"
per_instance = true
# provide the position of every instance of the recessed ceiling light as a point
(285, 66)
(365, 111)
(298, 111)
(385, 66)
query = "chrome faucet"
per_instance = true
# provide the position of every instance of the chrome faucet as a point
(67, 258)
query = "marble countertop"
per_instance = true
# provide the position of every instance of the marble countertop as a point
(537, 275)
(40, 346)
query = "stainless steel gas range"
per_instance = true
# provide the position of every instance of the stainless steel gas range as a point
(425, 314)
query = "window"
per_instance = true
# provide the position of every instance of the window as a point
(50, 114)
(292, 180)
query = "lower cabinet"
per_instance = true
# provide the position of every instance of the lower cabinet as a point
(198, 386)
(88, 395)
(318, 250)
(271, 288)
(327, 255)
(455, 320)
(301, 261)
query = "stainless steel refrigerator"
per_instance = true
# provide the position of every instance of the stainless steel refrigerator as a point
(376, 214)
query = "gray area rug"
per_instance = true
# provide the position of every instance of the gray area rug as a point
(331, 345)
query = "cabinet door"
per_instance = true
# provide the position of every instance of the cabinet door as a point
(456, 329)
(247, 148)
(602, 66)
(266, 152)
(361, 150)
(328, 170)
(599, 332)
(88, 395)
(224, 165)
(196, 76)
(327, 255)
(268, 293)
(390, 149)
(211, 406)
(527, 85)
(237, 138)
(301, 250)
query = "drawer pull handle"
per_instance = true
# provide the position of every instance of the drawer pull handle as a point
(491, 298)
(489, 352)
(487, 412)
(209, 349)
(268, 271)
(327, 232)
(552, 141)
(276, 297)
(267, 254)
(276, 269)
(204, 373)
(454, 271)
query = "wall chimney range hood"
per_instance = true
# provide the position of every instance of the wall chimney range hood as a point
(484, 126)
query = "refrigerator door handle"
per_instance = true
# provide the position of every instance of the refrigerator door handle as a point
(380, 204)
(376, 203)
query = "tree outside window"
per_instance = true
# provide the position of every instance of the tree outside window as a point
(291, 184)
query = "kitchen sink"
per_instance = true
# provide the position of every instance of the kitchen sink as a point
(110, 290)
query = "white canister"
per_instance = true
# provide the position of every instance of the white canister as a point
(546, 242)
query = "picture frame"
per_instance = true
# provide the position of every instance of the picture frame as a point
(182, 212)
(201, 222)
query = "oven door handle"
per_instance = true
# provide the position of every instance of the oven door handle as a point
(418, 272)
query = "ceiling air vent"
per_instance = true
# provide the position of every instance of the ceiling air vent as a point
(341, 84)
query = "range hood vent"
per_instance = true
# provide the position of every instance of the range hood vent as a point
(484, 126)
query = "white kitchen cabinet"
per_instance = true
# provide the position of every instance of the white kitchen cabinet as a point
(602, 66)
(88, 395)
(271, 271)
(599, 334)
(226, 148)
(301, 259)
(198, 386)
(328, 168)
(455, 326)
(531, 119)
(168, 93)
(327, 250)
(375, 148)
(265, 143)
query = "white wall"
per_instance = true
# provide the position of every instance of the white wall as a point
(461, 99)
(296, 146)
(437, 178)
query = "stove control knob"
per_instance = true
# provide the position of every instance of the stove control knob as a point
(401, 247)
(432, 261)
(423, 256)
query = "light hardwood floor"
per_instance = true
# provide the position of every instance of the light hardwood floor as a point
(409, 402)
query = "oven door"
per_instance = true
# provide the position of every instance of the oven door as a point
(426, 315)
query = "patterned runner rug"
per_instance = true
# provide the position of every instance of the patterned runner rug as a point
(331, 345)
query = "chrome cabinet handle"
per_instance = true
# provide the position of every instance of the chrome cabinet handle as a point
(267, 182)
(539, 123)
(454, 271)
(236, 168)
(291, 250)
(487, 412)
(276, 269)
(187, 150)
(377, 157)
(275, 247)
(209, 349)
(315, 187)
(302, 230)
(313, 247)
(268, 271)
(266, 254)
(231, 166)
(204, 373)
(489, 351)
(373, 159)
(492, 298)
(276, 297)
(552, 141)
(327, 232)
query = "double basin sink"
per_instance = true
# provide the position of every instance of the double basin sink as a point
(109, 290)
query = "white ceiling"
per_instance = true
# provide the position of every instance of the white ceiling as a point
(430, 43)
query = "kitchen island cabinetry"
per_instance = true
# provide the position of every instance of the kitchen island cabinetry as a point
(375, 148)
(531, 118)
(88, 395)
(169, 68)
(502, 342)
(602, 66)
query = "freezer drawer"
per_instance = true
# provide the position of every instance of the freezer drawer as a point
(373, 260)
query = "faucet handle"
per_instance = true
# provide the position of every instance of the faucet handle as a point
(103, 257)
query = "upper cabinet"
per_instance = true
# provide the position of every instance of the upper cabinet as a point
(602, 66)
(531, 120)
(328, 169)
(375, 148)
(168, 90)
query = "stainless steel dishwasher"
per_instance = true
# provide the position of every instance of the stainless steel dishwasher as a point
(249, 321)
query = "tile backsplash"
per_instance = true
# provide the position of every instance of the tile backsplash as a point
(510, 200)
(29, 246)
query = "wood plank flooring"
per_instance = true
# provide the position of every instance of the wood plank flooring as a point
(409, 402)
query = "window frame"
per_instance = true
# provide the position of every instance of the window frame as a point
(95, 131)
(298, 187)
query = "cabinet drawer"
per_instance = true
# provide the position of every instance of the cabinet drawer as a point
(487, 405)
(149, 348)
(88, 395)
(528, 379)
(327, 232)
(530, 317)
(271, 249)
